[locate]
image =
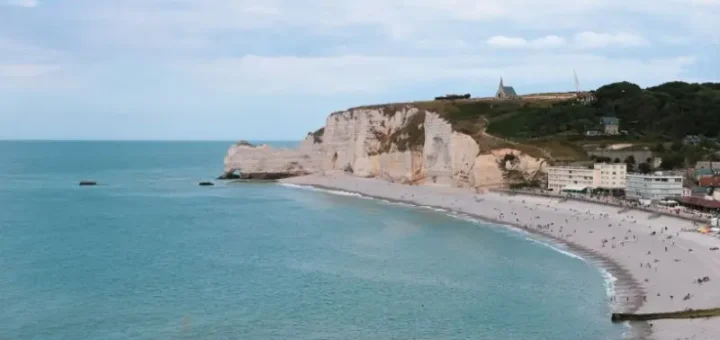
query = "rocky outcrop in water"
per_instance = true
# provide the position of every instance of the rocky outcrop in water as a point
(401, 144)
(262, 162)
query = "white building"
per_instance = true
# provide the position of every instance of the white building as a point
(611, 176)
(600, 176)
(569, 178)
(654, 186)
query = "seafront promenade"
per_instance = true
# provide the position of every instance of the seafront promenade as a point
(616, 202)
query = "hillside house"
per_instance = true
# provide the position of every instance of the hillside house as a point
(699, 173)
(707, 165)
(585, 98)
(611, 125)
(505, 92)
(695, 192)
(709, 182)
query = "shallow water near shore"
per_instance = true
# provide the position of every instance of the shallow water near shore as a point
(148, 254)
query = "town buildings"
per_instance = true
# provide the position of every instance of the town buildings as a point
(654, 186)
(607, 176)
(707, 165)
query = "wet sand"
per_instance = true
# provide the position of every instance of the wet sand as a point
(655, 262)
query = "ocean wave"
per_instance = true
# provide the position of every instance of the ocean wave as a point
(556, 248)
(329, 191)
(609, 282)
(609, 279)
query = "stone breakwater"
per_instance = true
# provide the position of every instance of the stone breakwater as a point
(403, 144)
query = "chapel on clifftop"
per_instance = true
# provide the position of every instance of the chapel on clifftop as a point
(505, 92)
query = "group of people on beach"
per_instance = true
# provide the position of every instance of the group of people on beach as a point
(565, 230)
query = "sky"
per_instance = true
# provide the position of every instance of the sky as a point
(274, 69)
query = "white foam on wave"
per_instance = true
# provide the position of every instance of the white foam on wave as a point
(349, 194)
(329, 191)
(296, 186)
(402, 204)
(609, 282)
(609, 279)
(557, 249)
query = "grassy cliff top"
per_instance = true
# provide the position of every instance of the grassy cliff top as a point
(553, 125)
(472, 116)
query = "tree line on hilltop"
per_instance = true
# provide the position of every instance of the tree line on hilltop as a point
(453, 97)
(671, 111)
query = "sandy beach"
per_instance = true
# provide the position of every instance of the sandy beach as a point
(656, 263)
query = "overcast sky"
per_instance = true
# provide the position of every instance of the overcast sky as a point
(274, 69)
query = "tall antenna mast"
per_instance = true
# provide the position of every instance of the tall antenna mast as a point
(577, 82)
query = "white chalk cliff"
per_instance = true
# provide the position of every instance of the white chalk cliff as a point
(400, 144)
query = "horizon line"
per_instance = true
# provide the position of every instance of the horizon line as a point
(145, 140)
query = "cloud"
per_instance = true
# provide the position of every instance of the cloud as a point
(507, 42)
(587, 40)
(397, 19)
(25, 70)
(19, 51)
(365, 74)
(23, 64)
(247, 41)
(22, 3)
(550, 41)
(601, 40)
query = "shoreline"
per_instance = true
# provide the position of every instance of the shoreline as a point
(632, 293)
(624, 281)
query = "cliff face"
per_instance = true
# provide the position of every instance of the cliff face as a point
(404, 144)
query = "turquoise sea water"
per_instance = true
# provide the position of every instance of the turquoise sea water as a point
(148, 254)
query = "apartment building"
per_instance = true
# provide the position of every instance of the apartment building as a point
(601, 176)
(570, 178)
(610, 176)
(654, 186)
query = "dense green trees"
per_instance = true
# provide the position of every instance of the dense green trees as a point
(630, 162)
(671, 110)
(453, 97)
(672, 161)
(644, 168)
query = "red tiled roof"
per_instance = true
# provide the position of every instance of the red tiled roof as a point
(709, 182)
(700, 202)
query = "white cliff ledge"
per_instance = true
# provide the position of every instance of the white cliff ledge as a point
(398, 143)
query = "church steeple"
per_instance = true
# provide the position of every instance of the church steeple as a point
(505, 91)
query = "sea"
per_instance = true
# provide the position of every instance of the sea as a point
(149, 254)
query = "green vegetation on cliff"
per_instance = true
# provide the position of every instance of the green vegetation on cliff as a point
(411, 136)
(671, 111)
(318, 135)
(554, 126)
